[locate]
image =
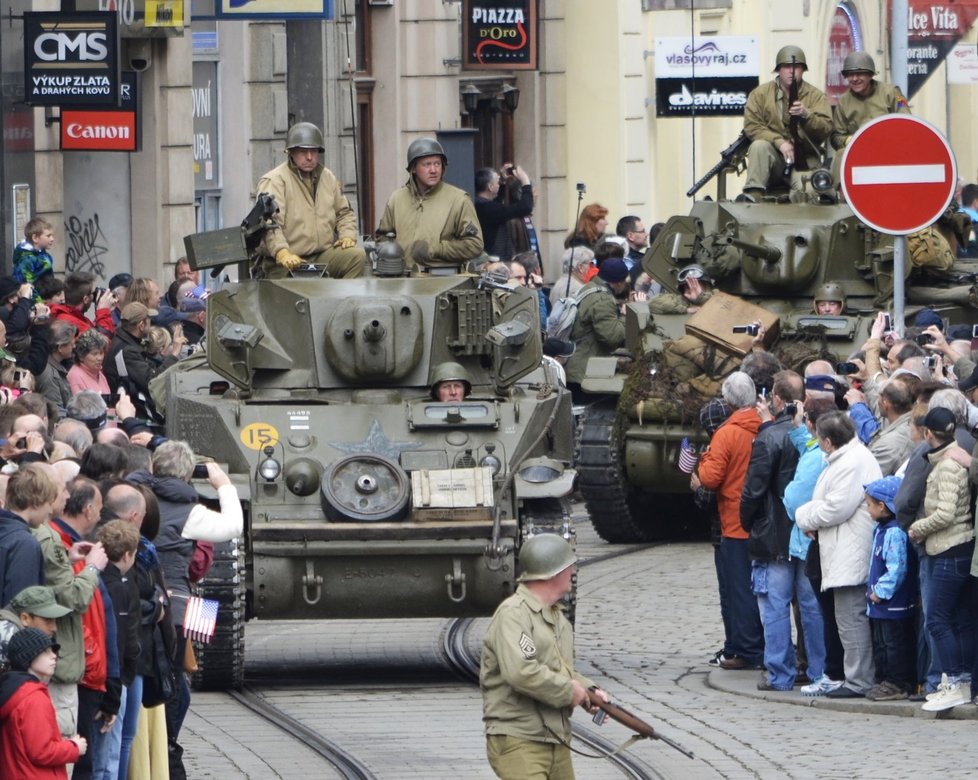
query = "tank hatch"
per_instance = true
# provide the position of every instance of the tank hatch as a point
(371, 338)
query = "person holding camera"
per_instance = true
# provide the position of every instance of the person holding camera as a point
(493, 210)
(80, 294)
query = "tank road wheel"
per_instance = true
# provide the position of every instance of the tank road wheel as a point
(364, 489)
(552, 515)
(602, 482)
(221, 662)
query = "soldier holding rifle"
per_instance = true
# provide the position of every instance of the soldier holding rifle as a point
(787, 121)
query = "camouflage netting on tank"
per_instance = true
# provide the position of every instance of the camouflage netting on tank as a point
(673, 384)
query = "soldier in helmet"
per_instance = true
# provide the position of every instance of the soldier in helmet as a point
(450, 382)
(435, 223)
(784, 134)
(314, 224)
(866, 99)
(529, 686)
(830, 299)
(695, 289)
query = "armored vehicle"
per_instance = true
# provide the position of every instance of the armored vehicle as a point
(364, 495)
(775, 254)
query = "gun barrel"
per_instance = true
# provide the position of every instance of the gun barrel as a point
(769, 254)
(636, 724)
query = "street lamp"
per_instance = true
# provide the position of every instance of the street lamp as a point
(470, 98)
(510, 95)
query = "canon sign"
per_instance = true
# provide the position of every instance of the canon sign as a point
(60, 46)
(109, 131)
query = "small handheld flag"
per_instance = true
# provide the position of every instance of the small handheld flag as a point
(200, 620)
(687, 456)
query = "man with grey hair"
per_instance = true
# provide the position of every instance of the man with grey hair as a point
(575, 264)
(52, 382)
(74, 433)
(88, 407)
(723, 468)
(125, 502)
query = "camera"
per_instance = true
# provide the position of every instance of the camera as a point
(887, 322)
(581, 187)
(846, 368)
(931, 362)
(974, 331)
(924, 338)
(200, 471)
(510, 170)
(750, 329)
(791, 409)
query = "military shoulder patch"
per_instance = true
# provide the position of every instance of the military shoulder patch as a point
(527, 647)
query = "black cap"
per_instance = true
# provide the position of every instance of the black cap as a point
(8, 286)
(940, 420)
(120, 280)
(556, 348)
(26, 645)
(970, 382)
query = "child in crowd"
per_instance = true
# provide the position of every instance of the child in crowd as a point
(890, 595)
(32, 260)
(31, 747)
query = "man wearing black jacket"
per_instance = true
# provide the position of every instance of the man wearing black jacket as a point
(763, 515)
(494, 213)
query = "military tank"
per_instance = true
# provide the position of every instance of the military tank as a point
(774, 254)
(364, 495)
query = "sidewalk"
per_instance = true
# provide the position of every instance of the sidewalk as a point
(744, 683)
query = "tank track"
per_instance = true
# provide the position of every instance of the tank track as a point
(553, 515)
(221, 662)
(601, 479)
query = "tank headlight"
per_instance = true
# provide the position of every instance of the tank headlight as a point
(269, 468)
(492, 462)
(822, 180)
(539, 473)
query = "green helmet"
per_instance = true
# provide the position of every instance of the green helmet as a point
(424, 147)
(304, 135)
(830, 291)
(544, 556)
(790, 54)
(858, 62)
(449, 372)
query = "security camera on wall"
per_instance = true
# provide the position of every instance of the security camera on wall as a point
(140, 54)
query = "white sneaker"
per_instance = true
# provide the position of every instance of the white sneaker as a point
(951, 696)
(941, 686)
(821, 686)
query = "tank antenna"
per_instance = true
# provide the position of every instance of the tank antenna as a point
(353, 119)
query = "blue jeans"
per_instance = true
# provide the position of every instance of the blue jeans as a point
(724, 600)
(927, 671)
(130, 719)
(775, 584)
(948, 605)
(105, 747)
(746, 633)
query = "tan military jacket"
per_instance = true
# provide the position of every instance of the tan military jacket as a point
(444, 217)
(766, 118)
(526, 671)
(312, 214)
(852, 111)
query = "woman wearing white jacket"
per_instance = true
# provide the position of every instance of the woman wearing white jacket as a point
(838, 514)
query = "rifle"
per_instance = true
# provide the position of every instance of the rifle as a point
(731, 157)
(642, 729)
(794, 121)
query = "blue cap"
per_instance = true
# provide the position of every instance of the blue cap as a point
(613, 270)
(928, 317)
(884, 490)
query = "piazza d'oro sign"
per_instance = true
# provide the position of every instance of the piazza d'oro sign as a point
(71, 59)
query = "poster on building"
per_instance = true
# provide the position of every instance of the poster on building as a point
(206, 147)
(705, 76)
(499, 34)
(271, 9)
(71, 59)
(962, 64)
(164, 13)
(102, 130)
(933, 28)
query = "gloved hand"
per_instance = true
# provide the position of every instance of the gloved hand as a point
(287, 259)
(344, 243)
(419, 252)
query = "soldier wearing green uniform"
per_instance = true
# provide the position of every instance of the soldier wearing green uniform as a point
(866, 99)
(529, 686)
(695, 289)
(775, 148)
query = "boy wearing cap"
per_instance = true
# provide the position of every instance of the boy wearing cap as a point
(31, 747)
(890, 595)
(946, 529)
(33, 607)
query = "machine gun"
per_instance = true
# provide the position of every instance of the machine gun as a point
(794, 121)
(642, 729)
(732, 157)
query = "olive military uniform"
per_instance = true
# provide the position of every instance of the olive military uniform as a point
(766, 122)
(674, 303)
(598, 330)
(852, 111)
(526, 674)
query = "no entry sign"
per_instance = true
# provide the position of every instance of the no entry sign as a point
(898, 174)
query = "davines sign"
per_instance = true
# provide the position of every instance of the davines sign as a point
(71, 59)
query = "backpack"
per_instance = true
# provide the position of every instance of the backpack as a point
(561, 321)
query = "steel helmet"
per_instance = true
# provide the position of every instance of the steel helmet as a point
(695, 270)
(449, 372)
(788, 53)
(304, 135)
(424, 147)
(858, 62)
(830, 291)
(544, 556)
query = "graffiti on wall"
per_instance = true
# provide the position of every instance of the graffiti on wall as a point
(85, 245)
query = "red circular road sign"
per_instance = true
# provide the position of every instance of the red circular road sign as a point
(898, 174)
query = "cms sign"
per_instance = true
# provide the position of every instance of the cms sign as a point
(64, 46)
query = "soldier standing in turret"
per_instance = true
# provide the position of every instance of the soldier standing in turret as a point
(866, 99)
(787, 121)
(435, 223)
(314, 224)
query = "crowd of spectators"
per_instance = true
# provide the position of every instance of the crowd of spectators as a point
(102, 533)
(851, 495)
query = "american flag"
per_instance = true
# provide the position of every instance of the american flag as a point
(200, 620)
(687, 456)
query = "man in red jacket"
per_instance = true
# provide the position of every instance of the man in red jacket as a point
(723, 468)
(80, 293)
